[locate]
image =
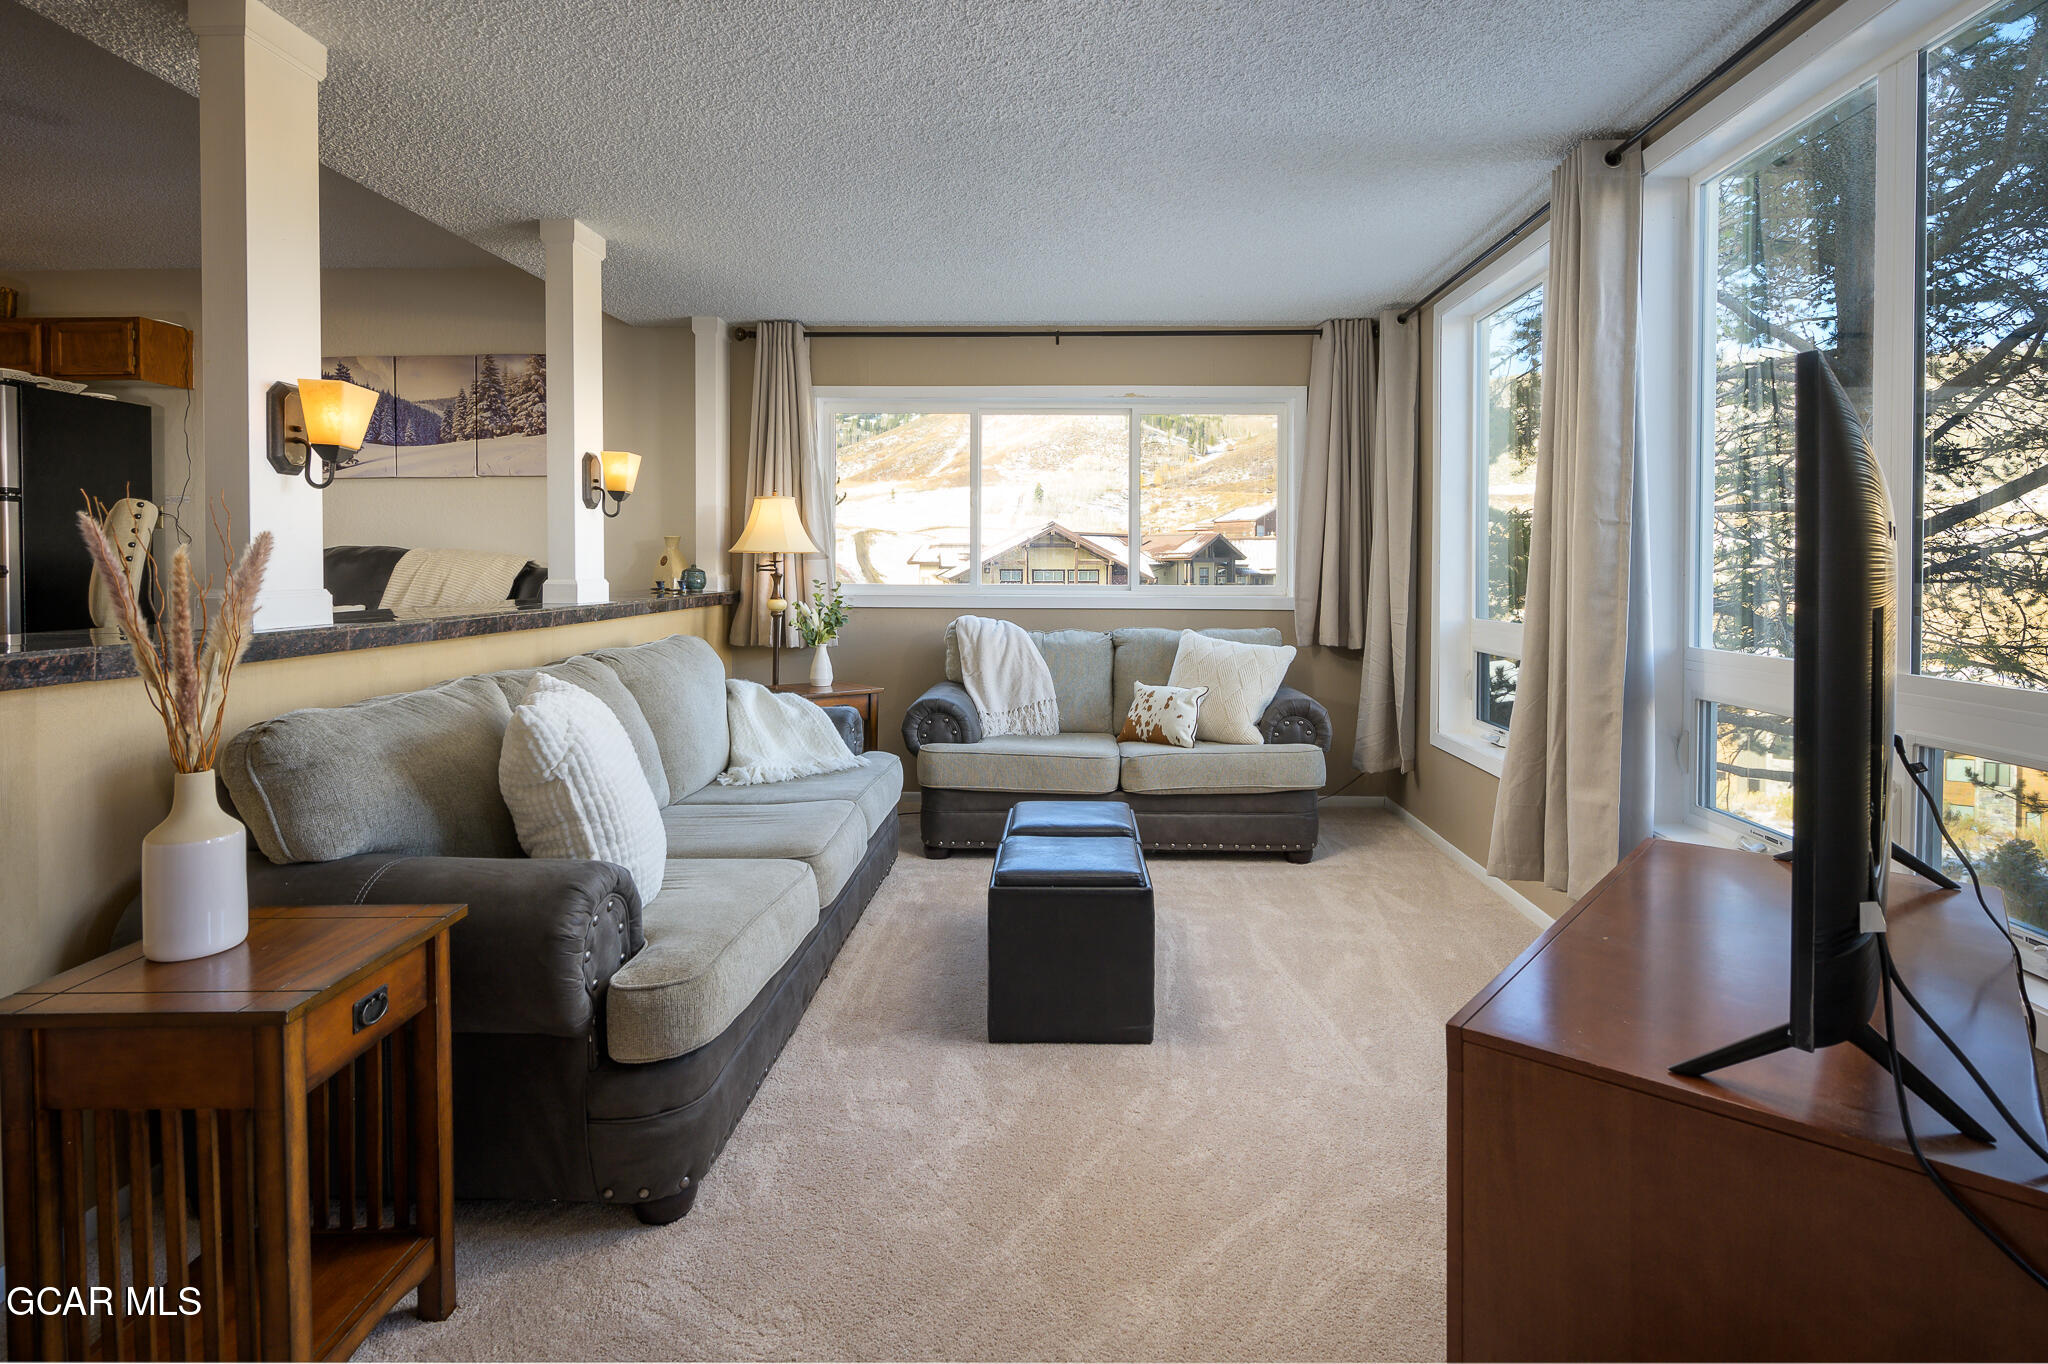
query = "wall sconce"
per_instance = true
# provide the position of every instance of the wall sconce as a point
(318, 421)
(608, 479)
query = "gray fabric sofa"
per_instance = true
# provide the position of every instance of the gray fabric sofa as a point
(1212, 797)
(603, 1048)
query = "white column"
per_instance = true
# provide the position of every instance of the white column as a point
(711, 528)
(259, 291)
(575, 294)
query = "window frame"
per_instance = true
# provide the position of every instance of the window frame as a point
(1457, 399)
(1289, 403)
(1861, 42)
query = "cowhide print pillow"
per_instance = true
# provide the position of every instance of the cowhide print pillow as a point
(1163, 715)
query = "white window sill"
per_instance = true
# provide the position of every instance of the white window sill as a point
(1471, 747)
(1025, 597)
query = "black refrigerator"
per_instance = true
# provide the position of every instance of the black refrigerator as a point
(54, 448)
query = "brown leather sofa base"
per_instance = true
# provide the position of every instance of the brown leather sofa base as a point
(1275, 821)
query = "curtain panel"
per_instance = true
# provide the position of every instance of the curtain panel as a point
(782, 461)
(1559, 813)
(1354, 557)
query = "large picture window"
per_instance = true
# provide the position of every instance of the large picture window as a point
(1880, 194)
(1103, 500)
(1488, 405)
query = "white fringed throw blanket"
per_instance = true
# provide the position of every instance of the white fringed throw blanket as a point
(1006, 678)
(778, 737)
(449, 577)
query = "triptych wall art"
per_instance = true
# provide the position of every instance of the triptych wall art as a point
(450, 416)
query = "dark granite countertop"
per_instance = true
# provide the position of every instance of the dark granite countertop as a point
(49, 660)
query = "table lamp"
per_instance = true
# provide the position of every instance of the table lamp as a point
(774, 528)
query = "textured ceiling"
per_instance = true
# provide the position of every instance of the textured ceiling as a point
(101, 165)
(1029, 161)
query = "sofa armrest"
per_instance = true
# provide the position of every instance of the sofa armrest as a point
(1295, 717)
(851, 728)
(945, 714)
(537, 949)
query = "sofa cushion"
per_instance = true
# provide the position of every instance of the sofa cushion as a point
(414, 774)
(1079, 661)
(874, 787)
(573, 784)
(1074, 764)
(1240, 680)
(1146, 654)
(828, 836)
(1160, 770)
(601, 682)
(680, 685)
(716, 934)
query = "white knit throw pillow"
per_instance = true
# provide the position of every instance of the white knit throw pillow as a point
(575, 787)
(1241, 679)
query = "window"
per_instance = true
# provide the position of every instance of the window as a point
(1876, 192)
(1111, 499)
(1488, 401)
(1995, 810)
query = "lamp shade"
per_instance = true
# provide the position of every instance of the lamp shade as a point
(337, 412)
(621, 471)
(774, 527)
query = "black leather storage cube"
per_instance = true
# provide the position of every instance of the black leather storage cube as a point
(1069, 940)
(1071, 818)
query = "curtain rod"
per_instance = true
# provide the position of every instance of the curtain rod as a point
(1748, 50)
(830, 333)
(1614, 155)
(1498, 245)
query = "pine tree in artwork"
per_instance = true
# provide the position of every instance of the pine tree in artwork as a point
(536, 422)
(342, 372)
(493, 406)
(460, 423)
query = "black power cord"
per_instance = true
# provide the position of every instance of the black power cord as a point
(1914, 771)
(1891, 1033)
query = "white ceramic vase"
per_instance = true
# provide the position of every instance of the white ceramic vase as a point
(195, 876)
(821, 666)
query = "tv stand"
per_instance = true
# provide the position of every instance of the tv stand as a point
(1865, 1039)
(1600, 1207)
(1925, 870)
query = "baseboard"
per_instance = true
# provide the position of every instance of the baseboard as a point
(1522, 903)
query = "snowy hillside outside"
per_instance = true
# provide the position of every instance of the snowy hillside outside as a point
(903, 497)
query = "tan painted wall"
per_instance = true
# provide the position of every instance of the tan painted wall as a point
(902, 648)
(85, 774)
(648, 404)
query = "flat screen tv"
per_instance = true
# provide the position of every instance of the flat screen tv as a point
(1844, 637)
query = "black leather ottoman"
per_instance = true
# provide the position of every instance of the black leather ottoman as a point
(1071, 818)
(1069, 939)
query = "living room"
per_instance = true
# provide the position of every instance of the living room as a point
(1024, 682)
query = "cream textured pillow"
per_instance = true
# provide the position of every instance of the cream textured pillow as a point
(1163, 715)
(574, 785)
(1241, 679)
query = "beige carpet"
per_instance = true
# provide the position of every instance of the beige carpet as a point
(1265, 1181)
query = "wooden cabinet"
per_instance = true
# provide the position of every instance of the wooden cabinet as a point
(88, 349)
(292, 1093)
(21, 344)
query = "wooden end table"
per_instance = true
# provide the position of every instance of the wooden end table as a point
(859, 695)
(291, 1094)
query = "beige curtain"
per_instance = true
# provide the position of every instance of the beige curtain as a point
(1386, 692)
(1558, 816)
(782, 460)
(1330, 546)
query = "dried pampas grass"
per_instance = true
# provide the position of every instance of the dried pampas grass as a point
(187, 660)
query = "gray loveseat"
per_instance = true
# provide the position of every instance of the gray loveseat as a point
(1212, 797)
(603, 1049)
